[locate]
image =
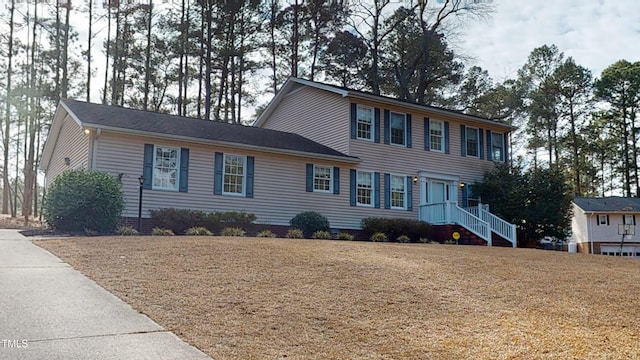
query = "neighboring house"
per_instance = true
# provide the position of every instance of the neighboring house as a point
(346, 154)
(599, 224)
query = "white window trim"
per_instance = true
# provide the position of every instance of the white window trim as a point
(404, 193)
(503, 146)
(373, 188)
(602, 223)
(477, 141)
(373, 122)
(244, 174)
(404, 140)
(442, 145)
(153, 169)
(330, 191)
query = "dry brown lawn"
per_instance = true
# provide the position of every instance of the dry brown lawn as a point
(248, 298)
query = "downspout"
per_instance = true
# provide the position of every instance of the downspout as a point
(589, 227)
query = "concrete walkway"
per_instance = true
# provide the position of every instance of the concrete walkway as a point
(48, 310)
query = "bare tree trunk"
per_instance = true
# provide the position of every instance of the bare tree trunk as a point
(207, 84)
(147, 65)
(30, 126)
(183, 40)
(6, 195)
(201, 65)
(89, 39)
(272, 30)
(106, 66)
(65, 52)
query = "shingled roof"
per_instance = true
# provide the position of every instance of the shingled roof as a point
(609, 204)
(108, 117)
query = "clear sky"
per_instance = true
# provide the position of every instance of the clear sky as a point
(596, 33)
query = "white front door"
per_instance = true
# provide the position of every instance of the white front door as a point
(438, 192)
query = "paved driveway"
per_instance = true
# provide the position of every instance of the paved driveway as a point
(48, 310)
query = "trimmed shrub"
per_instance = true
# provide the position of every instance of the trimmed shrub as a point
(403, 239)
(161, 232)
(126, 231)
(395, 228)
(198, 231)
(84, 200)
(310, 222)
(345, 236)
(379, 236)
(266, 234)
(295, 234)
(179, 220)
(321, 234)
(233, 231)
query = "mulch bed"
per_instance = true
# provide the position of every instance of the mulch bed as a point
(249, 298)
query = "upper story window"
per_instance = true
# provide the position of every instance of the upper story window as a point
(166, 167)
(497, 146)
(472, 142)
(398, 192)
(603, 219)
(365, 123)
(398, 128)
(322, 178)
(233, 175)
(364, 188)
(436, 135)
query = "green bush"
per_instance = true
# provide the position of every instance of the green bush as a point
(198, 231)
(321, 234)
(403, 239)
(233, 231)
(126, 231)
(379, 236)
(179, 220)
(394, 228)
(161, 232)
(310, 222)
(295, 234)
(344, 236)
(266, 234)
(81, 200)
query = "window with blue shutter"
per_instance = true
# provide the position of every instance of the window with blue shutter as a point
(489, 147)
(250, 176)
(387, 126)
(387, 191)
(463, 140)
(409, 193)
(336, 180)
(408, 130)
(309, 177)
(376, 127)
(172, 163)
(354, 120)
(376, 190)
(446, 137)
(427, 134)
(480, 143)
(352, 187)
(217, 175)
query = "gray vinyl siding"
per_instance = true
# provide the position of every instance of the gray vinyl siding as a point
(279, 183)
(315, 114)
(71, 143)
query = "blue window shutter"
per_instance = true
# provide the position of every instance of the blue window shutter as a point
(504, 151)
(250, 176)
(427, 135)
(352, 187)
(409, 193)
(354, 114)
(147, 169)
(387, 191)
(408, 130)
(217, 175)
(446, 137)
(463, 140)
(309, 177)
(465, 195)
(336, 180)
(376, 125)
(376, 190)
(387, 127)
(184, 170)
(489, 154)
(480, 143)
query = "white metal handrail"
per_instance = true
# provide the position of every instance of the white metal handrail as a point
(448, 213)
(472, 223)
(498, 225)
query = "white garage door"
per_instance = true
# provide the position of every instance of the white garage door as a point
(613, 250)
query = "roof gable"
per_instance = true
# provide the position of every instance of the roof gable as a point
(119, 119)
(293, 83)
(608, 204)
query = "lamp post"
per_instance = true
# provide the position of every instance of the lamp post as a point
(141, 181)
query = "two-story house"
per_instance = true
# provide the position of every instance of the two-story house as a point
(346, 154)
